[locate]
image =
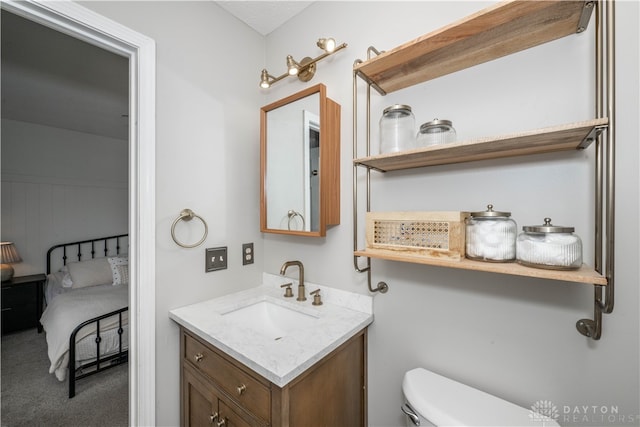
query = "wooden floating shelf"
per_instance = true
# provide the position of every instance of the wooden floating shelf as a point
(558, 138)
(585, 274)
(494, 32)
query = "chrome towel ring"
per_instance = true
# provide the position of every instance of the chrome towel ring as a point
(188, 215)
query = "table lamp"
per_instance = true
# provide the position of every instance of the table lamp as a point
(8, 254)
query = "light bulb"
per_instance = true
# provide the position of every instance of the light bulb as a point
(328, 45)
(264, 80)
(292, 66)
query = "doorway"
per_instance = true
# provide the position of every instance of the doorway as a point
(79, 22)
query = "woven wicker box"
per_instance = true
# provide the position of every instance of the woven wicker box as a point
(429, 234)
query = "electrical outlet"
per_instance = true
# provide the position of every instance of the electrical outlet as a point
(247, 253)
(215, 259)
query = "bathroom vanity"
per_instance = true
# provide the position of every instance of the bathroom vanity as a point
(256, 358)
(218, 390)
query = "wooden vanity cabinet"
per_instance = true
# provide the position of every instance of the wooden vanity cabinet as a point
(204, 406)
(218, 390)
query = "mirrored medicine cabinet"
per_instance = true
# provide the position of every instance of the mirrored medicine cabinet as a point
(300, 164)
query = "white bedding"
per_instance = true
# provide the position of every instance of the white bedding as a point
(67, 310)
(54, 286)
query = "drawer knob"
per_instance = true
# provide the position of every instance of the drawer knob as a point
(215, 416)
(241, 389)
(198, 357)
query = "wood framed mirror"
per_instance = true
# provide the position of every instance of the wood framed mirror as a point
(300, 164)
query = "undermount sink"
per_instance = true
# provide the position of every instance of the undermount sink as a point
(270, 319)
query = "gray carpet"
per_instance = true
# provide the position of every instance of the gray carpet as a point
(33, 397)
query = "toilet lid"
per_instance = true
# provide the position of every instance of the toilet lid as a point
(445, 402)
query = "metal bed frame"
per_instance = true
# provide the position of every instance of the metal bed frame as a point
(101, 363)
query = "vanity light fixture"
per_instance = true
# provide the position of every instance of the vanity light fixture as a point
(306, 68)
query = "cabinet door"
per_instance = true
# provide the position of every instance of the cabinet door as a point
(199, 401)
(231, 418)
(333, 393)
(19, 307)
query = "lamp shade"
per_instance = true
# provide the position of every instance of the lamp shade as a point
(8, 254)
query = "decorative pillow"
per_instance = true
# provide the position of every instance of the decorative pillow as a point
(123, 275)
(118, 274)
(92, 272)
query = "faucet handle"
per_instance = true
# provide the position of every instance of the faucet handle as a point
(317, 299)
(288, 293)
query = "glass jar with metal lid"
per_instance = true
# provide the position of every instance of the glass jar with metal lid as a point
(436, 132)
(397, 127)
(549, 246)
(491, 236)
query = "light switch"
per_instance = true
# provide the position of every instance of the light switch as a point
(215, 258)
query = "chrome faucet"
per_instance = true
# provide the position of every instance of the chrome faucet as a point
(283, 269)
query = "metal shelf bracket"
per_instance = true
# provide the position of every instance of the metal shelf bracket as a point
(605, 169)
(381, 287)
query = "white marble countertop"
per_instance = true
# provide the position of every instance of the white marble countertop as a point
(341, 316)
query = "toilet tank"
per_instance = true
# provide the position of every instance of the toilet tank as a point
(439, 401)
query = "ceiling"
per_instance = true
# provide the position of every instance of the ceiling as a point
(56, 80)
(52, 79)
(264, 16)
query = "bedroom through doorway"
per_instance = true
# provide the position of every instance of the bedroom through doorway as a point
(65, 177)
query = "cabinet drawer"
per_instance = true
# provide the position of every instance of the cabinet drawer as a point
(18, 295)
(246, 390)
(19, 317)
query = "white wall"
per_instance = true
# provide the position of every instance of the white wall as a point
(514, 337)
(207, 159)
(59, 186)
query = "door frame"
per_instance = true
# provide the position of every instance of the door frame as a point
(84, 24)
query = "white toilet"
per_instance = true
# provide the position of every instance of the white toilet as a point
(433, 400)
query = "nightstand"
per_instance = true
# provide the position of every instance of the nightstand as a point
(22, 303)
